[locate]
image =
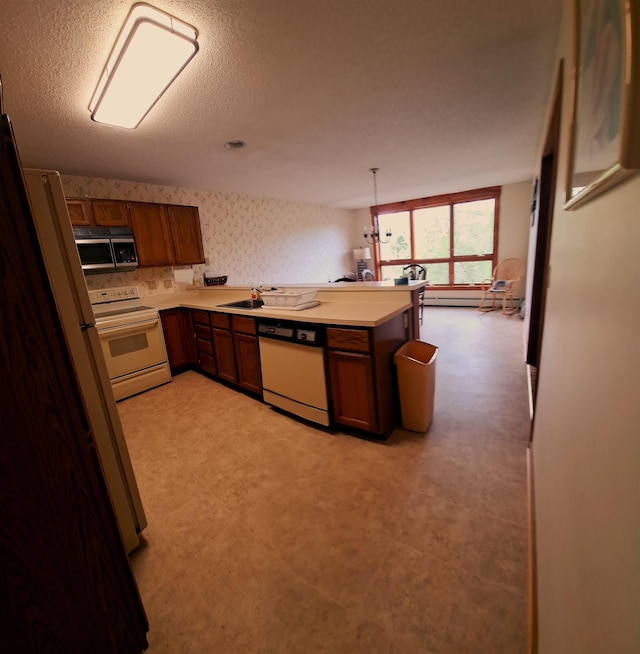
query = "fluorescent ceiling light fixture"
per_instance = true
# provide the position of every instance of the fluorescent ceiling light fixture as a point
(151, 50)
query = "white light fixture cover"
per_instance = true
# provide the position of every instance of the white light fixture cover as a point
(151, 50)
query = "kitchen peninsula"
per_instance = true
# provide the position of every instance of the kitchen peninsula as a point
(362, 325)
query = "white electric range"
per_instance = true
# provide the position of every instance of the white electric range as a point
(132, 340)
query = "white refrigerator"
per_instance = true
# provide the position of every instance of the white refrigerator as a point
(55, 234)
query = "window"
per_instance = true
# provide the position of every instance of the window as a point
(455, 236)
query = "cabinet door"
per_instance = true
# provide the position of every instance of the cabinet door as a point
(352, 390)
(151, 231)
(189, 336)
(223, 348)
(110, 213)
(248, 362)
(186, 237)
(175, 337)
(79, 212)
(207, 363)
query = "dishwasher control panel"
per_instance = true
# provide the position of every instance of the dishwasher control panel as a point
(294, 332)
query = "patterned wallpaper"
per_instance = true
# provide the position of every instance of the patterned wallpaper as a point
(250, 239)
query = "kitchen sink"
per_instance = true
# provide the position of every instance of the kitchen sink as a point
(243, 304)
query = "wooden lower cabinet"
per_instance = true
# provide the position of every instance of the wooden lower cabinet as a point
(225, 357)
(223, 346)
(203, 342)
(362, 376)
(178, 337)
(352, 390)
(247, 353)
(220, 344)
(361, 371)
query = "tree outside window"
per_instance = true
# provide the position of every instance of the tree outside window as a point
(454, 236)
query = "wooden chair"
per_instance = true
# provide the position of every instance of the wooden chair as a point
(502, 284)
(416, 271)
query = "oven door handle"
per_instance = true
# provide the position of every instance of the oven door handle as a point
(130, 328)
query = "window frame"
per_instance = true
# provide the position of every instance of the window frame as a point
(447, 199)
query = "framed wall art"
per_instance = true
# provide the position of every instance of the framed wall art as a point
(604, 143)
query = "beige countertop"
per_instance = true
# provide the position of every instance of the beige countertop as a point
(355, 305)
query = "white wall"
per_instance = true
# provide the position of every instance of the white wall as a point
(252, 240)
(586, 440)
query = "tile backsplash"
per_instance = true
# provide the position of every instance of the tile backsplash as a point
(250, 239)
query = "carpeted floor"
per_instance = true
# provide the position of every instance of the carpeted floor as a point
(268, 535)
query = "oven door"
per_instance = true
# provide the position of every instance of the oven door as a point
(124, 253)
(132, 347)
(95, 254)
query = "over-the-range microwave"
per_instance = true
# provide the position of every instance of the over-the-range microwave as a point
(106, 249)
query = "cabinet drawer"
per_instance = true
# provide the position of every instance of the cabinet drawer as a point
(356, 340)
(204, 346)
(221, 320)
(243, 325)
(200, 317)
(202, 332)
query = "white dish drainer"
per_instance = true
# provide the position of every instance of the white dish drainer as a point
(285, 298)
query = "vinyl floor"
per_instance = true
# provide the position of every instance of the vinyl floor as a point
(267, 535)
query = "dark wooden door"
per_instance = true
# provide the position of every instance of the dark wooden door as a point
(65, 580)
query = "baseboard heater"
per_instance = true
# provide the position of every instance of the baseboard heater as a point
(457, 301)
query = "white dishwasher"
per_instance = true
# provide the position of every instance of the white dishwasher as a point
(293, 370)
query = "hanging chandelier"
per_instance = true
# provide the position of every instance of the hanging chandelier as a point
(372, 234)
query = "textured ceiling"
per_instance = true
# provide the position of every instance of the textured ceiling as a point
(441, 95)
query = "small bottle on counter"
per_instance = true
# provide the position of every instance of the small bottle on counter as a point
(254, 292)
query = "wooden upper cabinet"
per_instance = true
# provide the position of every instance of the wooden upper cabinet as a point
(101, 213)
(186, 237)
(79, 212)
(150, 226)
(165, 234)
(110, 213)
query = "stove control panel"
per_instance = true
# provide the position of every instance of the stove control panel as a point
(114, 294)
